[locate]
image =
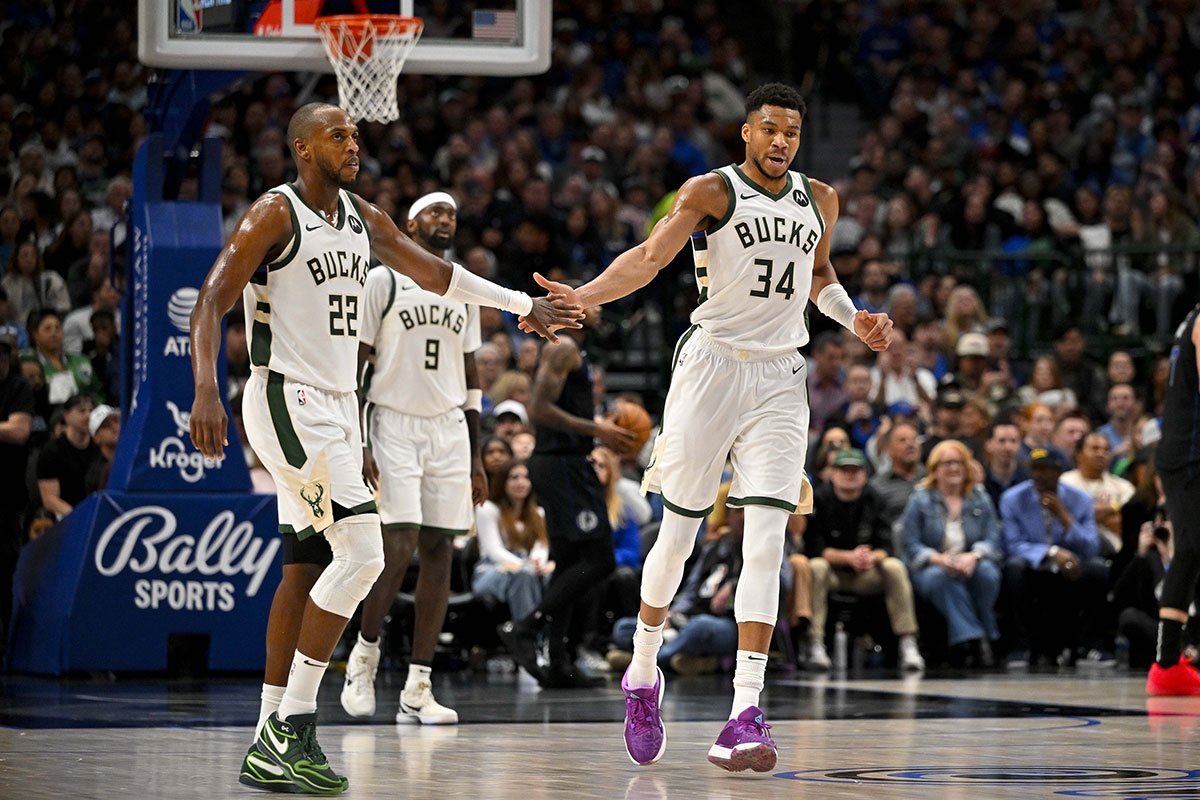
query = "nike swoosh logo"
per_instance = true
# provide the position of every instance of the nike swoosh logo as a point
(265, 766)
(311, 664)
(746, 196)
(797, 369)
(312, 227)
(407, 288)
(280, 745)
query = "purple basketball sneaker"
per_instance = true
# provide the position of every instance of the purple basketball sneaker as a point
(745, 744)
(645, 736)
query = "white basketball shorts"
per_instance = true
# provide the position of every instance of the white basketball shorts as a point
(309, 440)
(424, 469)
(745, 406)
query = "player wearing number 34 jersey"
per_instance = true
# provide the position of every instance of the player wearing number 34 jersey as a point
(760, 236)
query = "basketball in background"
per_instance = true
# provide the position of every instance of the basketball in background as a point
(632, 417)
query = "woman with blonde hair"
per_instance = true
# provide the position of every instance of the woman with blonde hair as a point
(953, 547)
(627, 544)
(964, 314)
(511, 385)
(513, 548)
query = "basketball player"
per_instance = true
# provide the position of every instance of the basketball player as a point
(422, 426)
(1177, 458)
(299, 256)
(760, 236)
(581, 543)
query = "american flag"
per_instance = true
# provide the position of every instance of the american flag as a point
(494, 25)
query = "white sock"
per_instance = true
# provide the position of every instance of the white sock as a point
(303, 683)
(417, 673)
(748, 678)
(271, 696)
(643, 669)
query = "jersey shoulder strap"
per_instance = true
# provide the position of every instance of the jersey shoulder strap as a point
(391, 292)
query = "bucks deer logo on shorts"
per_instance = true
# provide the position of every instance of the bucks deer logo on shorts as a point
(313, 493)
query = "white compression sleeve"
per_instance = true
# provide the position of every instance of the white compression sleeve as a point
(757, 597)
(837, 305)
(468, 287)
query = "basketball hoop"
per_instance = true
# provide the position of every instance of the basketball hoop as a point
(367, 52)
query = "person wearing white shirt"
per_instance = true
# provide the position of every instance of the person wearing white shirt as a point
(1108, 492)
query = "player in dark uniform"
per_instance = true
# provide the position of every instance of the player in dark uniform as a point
(1177, 459)
(573, 498)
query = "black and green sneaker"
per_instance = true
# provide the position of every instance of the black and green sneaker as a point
(261, 772)
(291, 744)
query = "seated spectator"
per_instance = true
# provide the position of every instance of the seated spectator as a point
(77, 326)
(947, 416)
(513, 548)
(1045, 386)
(8, 328)
(893, 484)
(1037, 429)
(511, 419)
(1139, 584)
(496, 452)
(30, 286)
(512, 385)
(1141, 507)
(971, 363)
(102, 350)
(833, 439)
(66, 373)
(848, 543)
(702, 613)
(1122, 410)
(1053, 578)
(1002, 470)
(953, 547)
(104, 424)
(974, 424)
(898, 378)
(63, 464)
(1108, 492)
(859, 417)
(523, 444)
(1068, 431)
(487, 367)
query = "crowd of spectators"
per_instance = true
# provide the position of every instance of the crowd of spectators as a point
(1023, 200)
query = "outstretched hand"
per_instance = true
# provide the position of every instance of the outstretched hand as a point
(874, 329)
(562, 291)
(551, 313)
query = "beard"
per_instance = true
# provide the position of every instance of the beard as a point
(334, 175)
(438, 241)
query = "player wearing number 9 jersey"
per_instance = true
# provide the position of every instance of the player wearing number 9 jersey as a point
(301, 254)
(760, 239)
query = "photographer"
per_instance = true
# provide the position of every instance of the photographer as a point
(1139, 587)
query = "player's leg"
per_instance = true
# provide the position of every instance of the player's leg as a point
(417, 703)
(1170, 674)
(768, 465)
(395, 444)
(303, 563)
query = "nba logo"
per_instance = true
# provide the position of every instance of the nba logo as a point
(189, 16)
(300, 398)
(681, 359)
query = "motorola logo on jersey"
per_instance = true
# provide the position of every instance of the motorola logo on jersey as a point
(801, 198)
(146, 540)
(777, 229)
(355, 225)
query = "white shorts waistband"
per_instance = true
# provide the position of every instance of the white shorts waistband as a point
(736, 354)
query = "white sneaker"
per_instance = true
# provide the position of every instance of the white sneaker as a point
(417, 706)
(358, 692)
(818, 659)
(910, 657)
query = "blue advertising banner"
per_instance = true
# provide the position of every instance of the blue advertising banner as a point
(174, 245)
(105, 588)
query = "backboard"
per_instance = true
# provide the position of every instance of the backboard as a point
(462, 37)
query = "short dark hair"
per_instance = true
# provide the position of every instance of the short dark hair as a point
(775, 94)
(1089, 435)
(825, 339)
(301, 124)
(1003, 423)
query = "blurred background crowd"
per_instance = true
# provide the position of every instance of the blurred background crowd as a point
(1019, 188)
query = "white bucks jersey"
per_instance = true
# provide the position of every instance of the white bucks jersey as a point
(302, 310)
(419, 339)
(754, 266)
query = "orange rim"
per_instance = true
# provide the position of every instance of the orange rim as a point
(406, 26)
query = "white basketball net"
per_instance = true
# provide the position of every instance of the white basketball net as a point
(367, 55)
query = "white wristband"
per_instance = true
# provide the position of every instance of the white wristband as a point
(474, 401)
(468, 287)
(837, 305)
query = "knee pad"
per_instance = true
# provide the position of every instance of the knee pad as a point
(663, 570)
(757, 598)
(357, 545)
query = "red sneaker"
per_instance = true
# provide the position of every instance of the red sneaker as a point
(1181, 679)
